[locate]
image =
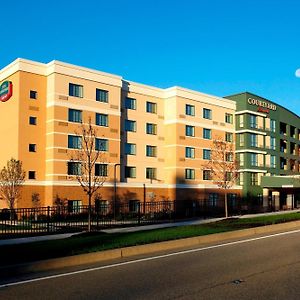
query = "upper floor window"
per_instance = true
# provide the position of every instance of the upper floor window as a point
(206, 133)
(151, 151)
(151, 128)
(33, 94)
(272, 143)
(74, 142)
(253, 121)
(130, 172)
(130, 149)
(206, 153)
(101, 95)
(253, 159)
(229, 157)
(75, 115)
(32, 147)
(189, 110)
(228, 118)
(253, 179)
(206, 175)
(190, 174)
(207, 113)
(241, 140)
(130, 125)
(229, 137)
(130, 103)
(272, 125)
(151, 173)
(151, 107)
(273, 161)
(75, 90)
(31, 175)
(189, 130)
(189, 152)
(74, 168)
(101, 170)
(253, 140)
(102, 119)
(101, 144)
(241, 121)
(32, 120)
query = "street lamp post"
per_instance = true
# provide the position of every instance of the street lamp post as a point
(115, 189)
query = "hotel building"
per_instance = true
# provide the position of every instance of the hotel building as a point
(155, 141)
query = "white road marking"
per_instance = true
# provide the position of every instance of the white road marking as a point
(148, 259)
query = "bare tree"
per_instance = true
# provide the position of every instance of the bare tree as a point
(223, 166)
(91, 172)
(11, 180)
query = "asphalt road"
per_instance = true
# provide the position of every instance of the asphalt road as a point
(264, 268)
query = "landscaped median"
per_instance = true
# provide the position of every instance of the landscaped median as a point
(122, 243)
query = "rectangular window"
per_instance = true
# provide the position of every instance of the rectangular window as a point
(229, 137)
(213, 199)
(74, 142)
(101, 170)
(130, 125)
(151, 151)
(151, 128)
(253, 121)
(151, 107)
(130, 172)
(241, 140)
(189, 110)
(273, 161)
(101, 95)
(242, 160)
(206, 133)
(272, 125)
(101, 144)
(74, 206)
(206, 154)
(151, 173)
(130, 149)
(32, 148)
(253, 140)
(189, 152)
(253, 179)
(241, 178)
(190, 174)
(241, 121)
(229, 157)
(31, 175)
(134, 206)
(228, 176)
(206, 175)
(75, 115)
(75, 90)
(33, 94)
(272, 143)
(130, 103)
(253, 160)
(74, 168)
(228, 118)
(207, 113)
(102, 120)
(32, 120)
(189, 130)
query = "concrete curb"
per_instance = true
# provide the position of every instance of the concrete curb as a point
(77, 260)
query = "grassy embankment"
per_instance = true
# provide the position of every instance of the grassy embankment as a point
(85, 243)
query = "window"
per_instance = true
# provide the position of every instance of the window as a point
(101, 144)
(151, 173)
(75, 90)
(130, 125)
(229, 137)
(74, 142)
(130, 172)
(189, 130)
(241, 121)
(190, 174)
(101, 170)
(229, 157)
(33, 94)
(273, 125)
(189, 110)
(74, 168)
(75, 115)
(253, 121)
(151, 151)
(228, 176)
(32, 148)
(206, 133)
(134, 206)
(101, 95)
(189, 152)
(130, 103)
(253, 179)
(242, 140)
(241, 178)
(151, 107)
(253, 140)
(130, 149)
(272, 143)
(74, 206)
(151, 128)
(206, 175)
(242, 159)
(102, 120)
(206, 154)
(102, 206)
(213, 199)
(273, 161)
(253, 160)
(32, 120)
(228, 118)
(207, 113)
(31, 175)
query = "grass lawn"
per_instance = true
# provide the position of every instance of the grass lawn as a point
(92, 242)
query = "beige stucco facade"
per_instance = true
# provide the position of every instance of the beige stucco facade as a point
(167, 142)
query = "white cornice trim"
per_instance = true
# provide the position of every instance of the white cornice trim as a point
(250, 131)
(253, 170)
(251, 150)
(250, 112)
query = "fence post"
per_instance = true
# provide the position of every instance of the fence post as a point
(48, 219)
(139, 213)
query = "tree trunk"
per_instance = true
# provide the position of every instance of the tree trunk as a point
(89, 213)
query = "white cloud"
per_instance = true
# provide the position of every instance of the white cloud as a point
(297, 73)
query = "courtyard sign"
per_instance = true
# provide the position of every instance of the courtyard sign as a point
(6, 90)
(263, 106)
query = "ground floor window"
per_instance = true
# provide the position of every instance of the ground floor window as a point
(74, 206)
(101, 206)
(134, 206)
(213, 199)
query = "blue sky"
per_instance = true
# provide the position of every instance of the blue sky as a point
(217, 47)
